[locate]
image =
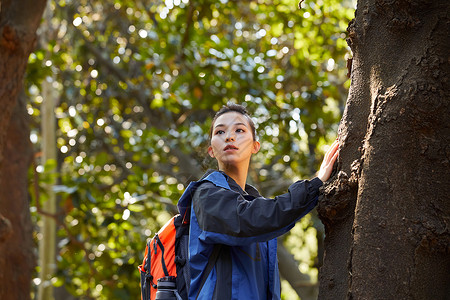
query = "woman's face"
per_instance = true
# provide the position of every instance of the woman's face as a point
(232, 143)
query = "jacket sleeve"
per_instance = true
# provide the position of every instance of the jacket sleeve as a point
(227, 217)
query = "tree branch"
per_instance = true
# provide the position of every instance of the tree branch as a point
(300, 282)
(189, 19)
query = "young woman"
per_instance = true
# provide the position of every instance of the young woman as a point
(233, 229)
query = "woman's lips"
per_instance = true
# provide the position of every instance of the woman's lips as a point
(230, 148)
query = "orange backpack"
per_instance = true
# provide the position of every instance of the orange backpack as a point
(165, 268)
(165, 257)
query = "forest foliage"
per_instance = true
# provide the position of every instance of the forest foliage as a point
(136, 84)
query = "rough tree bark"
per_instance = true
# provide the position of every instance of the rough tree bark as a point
(18, 23)
(17, 259)
(387, 211)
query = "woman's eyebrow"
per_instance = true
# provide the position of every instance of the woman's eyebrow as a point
(222, 125)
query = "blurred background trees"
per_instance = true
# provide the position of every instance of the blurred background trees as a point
(134, 85)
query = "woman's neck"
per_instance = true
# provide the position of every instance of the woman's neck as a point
(238, 174)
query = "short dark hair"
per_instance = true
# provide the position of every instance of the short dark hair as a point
(233, 107)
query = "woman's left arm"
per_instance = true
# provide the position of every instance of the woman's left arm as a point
(225, 216)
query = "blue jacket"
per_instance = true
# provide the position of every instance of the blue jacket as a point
(246, 225)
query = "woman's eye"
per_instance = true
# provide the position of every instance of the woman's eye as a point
(240, 130)
(219, 131)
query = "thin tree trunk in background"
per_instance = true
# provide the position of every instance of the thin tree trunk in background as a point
(47, 243)
(19, 20)
(386, 213)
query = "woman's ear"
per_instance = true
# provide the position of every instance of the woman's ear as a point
(211, 152)
(256, 147)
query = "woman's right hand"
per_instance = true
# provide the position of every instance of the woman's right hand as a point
(328, 161)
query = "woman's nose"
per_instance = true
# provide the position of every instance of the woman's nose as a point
(229, 137)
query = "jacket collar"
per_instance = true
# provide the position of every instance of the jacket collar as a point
(250, 190)
(185, 200)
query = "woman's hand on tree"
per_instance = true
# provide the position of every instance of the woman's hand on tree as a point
(328, 161)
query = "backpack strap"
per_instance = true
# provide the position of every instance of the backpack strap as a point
(148, 276)
(148, 262)
(163, 262)
(211, 262)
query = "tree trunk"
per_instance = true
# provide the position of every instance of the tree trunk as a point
(17, 259)
(19, 20)
(18, 23)
(386, 213)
